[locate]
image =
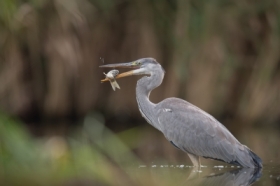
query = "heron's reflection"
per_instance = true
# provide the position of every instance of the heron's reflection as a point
(236, 177)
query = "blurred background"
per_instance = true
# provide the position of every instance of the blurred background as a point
(59, 123)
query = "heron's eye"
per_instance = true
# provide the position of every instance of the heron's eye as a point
(137, 63)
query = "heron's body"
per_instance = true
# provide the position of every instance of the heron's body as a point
(186, 126)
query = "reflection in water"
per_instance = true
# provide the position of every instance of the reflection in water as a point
(206, 176)
(237, 177)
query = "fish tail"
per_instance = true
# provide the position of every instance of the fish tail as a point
(115, 85)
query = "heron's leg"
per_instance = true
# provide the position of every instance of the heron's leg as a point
(195, 160)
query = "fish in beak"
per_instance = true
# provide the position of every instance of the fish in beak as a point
(111, 77)
(136, 65)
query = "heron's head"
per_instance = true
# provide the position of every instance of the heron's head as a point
(144, 66)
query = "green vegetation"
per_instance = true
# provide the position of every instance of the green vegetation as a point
(94, 154)
(220, 55)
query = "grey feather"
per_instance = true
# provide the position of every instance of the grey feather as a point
(199, 133)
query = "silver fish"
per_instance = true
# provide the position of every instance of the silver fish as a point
(111, 77)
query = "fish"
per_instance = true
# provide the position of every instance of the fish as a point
(111, 77)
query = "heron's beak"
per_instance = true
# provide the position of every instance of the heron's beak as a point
(125, 74)
(123, 65)
(133, 64)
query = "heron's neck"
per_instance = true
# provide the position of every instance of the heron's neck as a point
(143, 89)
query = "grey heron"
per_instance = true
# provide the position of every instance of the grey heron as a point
(186, 126)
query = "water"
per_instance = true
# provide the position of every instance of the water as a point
(154, 161)
(216, 175)
(162, 163)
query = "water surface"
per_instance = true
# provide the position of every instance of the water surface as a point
(213, 175)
